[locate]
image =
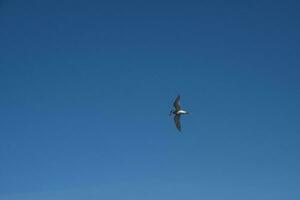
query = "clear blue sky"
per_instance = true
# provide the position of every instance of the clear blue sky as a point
(86, 88)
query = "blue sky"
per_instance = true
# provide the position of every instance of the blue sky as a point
(86, 88)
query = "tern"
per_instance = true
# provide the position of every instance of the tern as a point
(177, 112)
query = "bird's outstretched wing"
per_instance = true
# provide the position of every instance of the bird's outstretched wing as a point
(177, 103)
(177, 122)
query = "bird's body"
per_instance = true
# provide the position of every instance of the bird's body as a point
(178, 112)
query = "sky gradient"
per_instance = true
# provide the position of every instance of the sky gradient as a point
(87, 86)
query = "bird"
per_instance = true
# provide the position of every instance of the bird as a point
(177, 112)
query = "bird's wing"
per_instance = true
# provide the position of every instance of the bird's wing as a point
(177, 122)
(177, 103)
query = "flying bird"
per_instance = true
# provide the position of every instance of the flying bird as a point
(177, 112)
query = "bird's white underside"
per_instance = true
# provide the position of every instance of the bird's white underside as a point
(181, 112)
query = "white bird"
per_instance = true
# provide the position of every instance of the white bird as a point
(177, 112)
